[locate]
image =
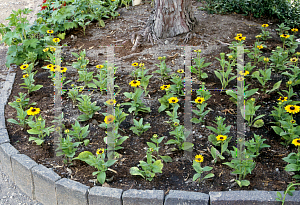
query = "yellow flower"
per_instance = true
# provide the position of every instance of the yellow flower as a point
(165, 87)
(265, 25)
(241, 78)
(135, 64)
(260, 47)
(99, 66)
(52, 49)
(296, 142)
(258, 36)
(56, 40)
(221, 137)
(173, 100)
(111, 102)
(100, 151)
(180, 71)
(239, 34)
(46, 49)
(18, 100)
(108, 119)
(135, 83)
(159, 58)
(282, 99)
(50, 66)
(176, 124)
(63, 69)
(49, 31)
(142, 65)
(293, 121)
(199, 100)
(292, 109)
(239, 37)
(67, 131)
(25, 76)
(244, 73)
(24, 66)
(284, 35)
(155, 136)
(294, 60)
(297, 53)
(199, 158)
(230, 57)
(33, 111)
(197, 51)
(294, 29)
(266, 60)
(289, 82)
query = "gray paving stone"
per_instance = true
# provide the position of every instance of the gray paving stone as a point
(71, 192)
(143, 197)
(44, 184)
(4, 138)
(6, 151)
(250, 198)
(105, 195)
(176, 197)
(21, 166)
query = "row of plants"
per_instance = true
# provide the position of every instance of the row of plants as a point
(242, 160)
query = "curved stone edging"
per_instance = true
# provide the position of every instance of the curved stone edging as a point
(44, 185)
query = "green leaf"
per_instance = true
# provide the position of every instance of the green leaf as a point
(33, 131)
(166, 158)
(210, 175)
(157, 166)
(31, 42)
(102, 24)
(196, 176)
(13, 121)
(86, 142)
(292, 168)
(187, 145)
(84, 155)
(258, 123)
(101, 177)
(136, 171)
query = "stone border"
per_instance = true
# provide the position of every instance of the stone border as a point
(44, 185)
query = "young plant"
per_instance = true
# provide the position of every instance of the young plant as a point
(87, 107)
(264, 78)
(139, 128)
(289, 190)
(199, 64)
(163, 69)
(98, 162)
(256, 144)
(80, 133)
(294, 160)
(155, 147)
(222, 141)
(137, 104)
(178, 87)
(67, 148)
(200, 112)
(180, 138)
(264, 34)
(38, 127)
(149, 168)
(21, 115)
(279, 59)
(82, 62)
(197, 167)
(222, 74)
(249, 112)
(73, 95)
(29, 83)
(242, 93)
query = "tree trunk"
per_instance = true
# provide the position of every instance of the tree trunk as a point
(173, 17)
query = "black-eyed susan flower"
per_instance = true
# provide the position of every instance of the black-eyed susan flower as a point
(293, 121)
(294, 60)
(111, 102)
(241, 78)
(50, 66)
(282, 99)
(239, 37)
(173, 100)
(99, 66)
(180, 71)
(49, 31)
(260, 47)
(63, 69)
(56, 40)
(52, 49)
(265, 25)
(292, 109)
(284, 35)
(33, 111)
(25, 76)
(297, 53)
(294, 30)
(199, 100)
(18, 100)
(230, 56)
(134, 83)
(67, 131)
(197, 51)
(266, 60)
(290, 82)
(24, 66)
(244, 73)
(46, 49)
(155, 136)
(176, 124)
(135, 64)
(221, 137)
(258, 36)
(100, 151)
(165, 87)
(199, 158)
(296, 142)
(239, 34)
(109, 119)
(141, 65)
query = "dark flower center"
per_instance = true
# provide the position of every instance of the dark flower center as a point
(221, 138)
(173, 100)
(292, 108)
(281, 98)
(298, 141)
(33, 110)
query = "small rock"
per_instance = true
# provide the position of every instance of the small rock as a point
(105, 185)
(277, 170)
(94, 122)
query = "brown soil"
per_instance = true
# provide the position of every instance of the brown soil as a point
(212, 32)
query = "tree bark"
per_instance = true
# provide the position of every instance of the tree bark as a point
(173, 17)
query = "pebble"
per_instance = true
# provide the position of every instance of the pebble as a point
(277, 170)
